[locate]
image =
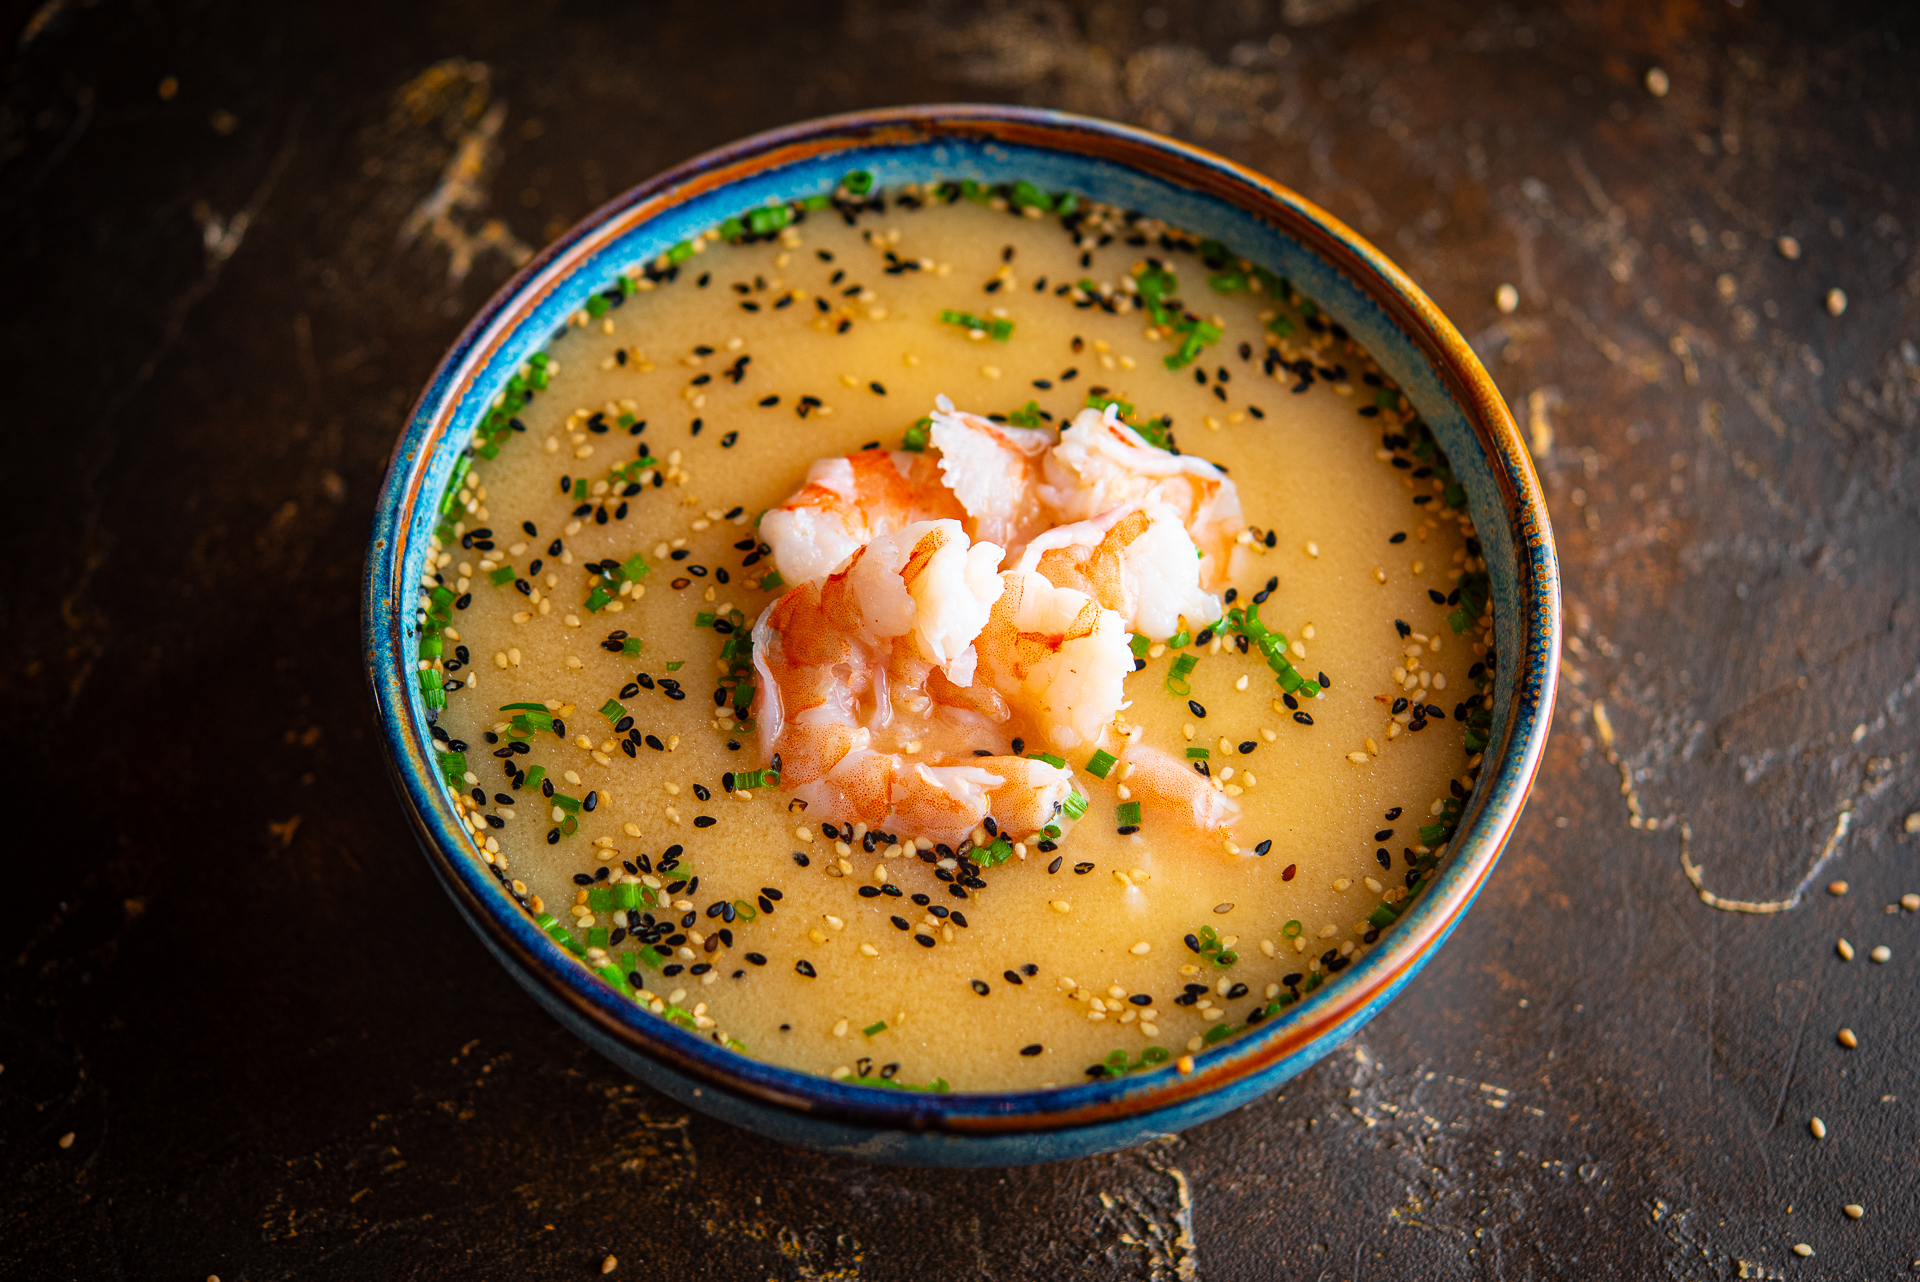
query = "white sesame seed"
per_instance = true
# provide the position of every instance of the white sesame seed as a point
(1845, 950)
(1881, 953)
(1818, 1127)
(1847, 1039)
(1854, 1210)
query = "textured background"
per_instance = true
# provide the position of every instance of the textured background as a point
(234, 240)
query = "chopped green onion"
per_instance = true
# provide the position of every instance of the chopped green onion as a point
(1129, 814)
(1182, 669)
(996, 328)
(1197, 754)
(1101, 402)
(1058, 763)
(534, 776)
(634, 567)
(918, 437)
(859, 182)
(632, 645)
(763, 221)
(1432, 834)
(772, 581)
(744, 910)
(596, 599)
(613, 710)
(878, 1026)
(627, 894)
(600, 899)
(1292, 930)
(569, 804)
(523, 707)
(1076, 803)
(1217, 1034)
(704, 619)
(501, 577)
(1179, 640)
(680, 253)
(1101, 764)
(1139, 645)
(676, 664)
(1028, 196)
(1382, 917)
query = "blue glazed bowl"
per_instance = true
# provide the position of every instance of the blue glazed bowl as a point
(1189, 188)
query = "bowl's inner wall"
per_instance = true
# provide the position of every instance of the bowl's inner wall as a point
(527, 324)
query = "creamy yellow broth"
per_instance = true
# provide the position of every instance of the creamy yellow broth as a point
(1105, 916)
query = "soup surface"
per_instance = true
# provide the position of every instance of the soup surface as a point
(592, 590)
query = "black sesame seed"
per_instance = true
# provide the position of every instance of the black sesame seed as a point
(1196, 708)
(1303, 718)
(1030, 1051)
(980, 987)
(1263, 847)
(806, 968)
(1055, 865)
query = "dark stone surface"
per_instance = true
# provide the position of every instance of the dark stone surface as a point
(231, 979)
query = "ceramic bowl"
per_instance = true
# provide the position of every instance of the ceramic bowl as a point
(1188, 187)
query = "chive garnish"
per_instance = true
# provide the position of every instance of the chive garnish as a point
(994, 327)
(1177, 675)
(1129, 814)
(878, 1026)
(1101, 764)
(1058, 763)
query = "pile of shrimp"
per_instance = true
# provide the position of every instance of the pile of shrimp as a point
(949, 602)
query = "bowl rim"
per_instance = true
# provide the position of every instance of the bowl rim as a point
(1340, 1005)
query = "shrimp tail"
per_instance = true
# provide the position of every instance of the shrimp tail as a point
(1165, 783)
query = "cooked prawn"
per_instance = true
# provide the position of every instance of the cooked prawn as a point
(1136, 560)
(994, 470)
(1058, 657)
(846, 502)
(867, 699)
(902, 645)
(1101, 463)
(1166, 783)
